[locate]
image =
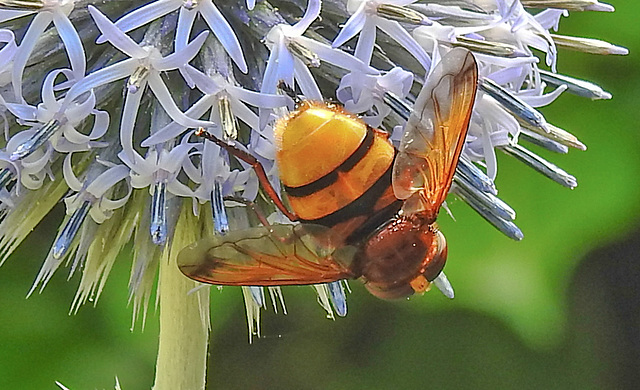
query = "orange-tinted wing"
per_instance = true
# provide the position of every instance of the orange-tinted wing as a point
(435, 133)
(268, 256)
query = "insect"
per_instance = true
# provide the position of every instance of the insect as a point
(366, 210)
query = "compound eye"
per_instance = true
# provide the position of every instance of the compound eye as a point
(422, 283)
(436, 264)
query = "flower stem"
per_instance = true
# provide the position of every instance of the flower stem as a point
(184, 319)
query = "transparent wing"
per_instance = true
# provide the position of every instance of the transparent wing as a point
(268, 256)
(435, 133)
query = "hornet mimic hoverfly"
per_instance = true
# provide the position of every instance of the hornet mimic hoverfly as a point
(366, 210)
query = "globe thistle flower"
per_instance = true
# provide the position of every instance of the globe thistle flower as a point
(99, 104)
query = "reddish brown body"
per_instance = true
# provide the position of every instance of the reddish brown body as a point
(401, 251)
(367, 210)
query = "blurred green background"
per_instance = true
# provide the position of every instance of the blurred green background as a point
(558, 310)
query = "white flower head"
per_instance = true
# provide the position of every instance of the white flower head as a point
(58, 120)
(96, 188)
(101, 115)
(366, 18)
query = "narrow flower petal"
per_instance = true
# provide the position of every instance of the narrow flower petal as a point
(186, 19)
(271, 73)
(259, 99)
(306, 81)
(10, 14)
(205, 83)
(37, 27)
(72, 43)
(310, 14)
(336, 57)
(545, 99)
(397, 32)
(127, 122)
(69, 176)
(174, 129)
(182, 57)
(9, 49)
(48, 94)
(22, 111)
(352, 27)
(116, 36)
(161, 92)
(143, 15)
(100, 77)
(223, 32)
(366, 42)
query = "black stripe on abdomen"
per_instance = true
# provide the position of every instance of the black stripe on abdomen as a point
(331, 177)
(363, 205)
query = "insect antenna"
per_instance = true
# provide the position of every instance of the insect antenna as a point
(289, 91)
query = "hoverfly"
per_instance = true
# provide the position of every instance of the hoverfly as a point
(366, 210)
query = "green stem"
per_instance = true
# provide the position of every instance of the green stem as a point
(184, 320)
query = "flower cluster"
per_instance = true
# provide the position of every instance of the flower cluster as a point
(100, 102)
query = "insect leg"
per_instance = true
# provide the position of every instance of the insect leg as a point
(251, 205)
(257, 167)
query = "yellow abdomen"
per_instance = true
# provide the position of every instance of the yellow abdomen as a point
(328, 158)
